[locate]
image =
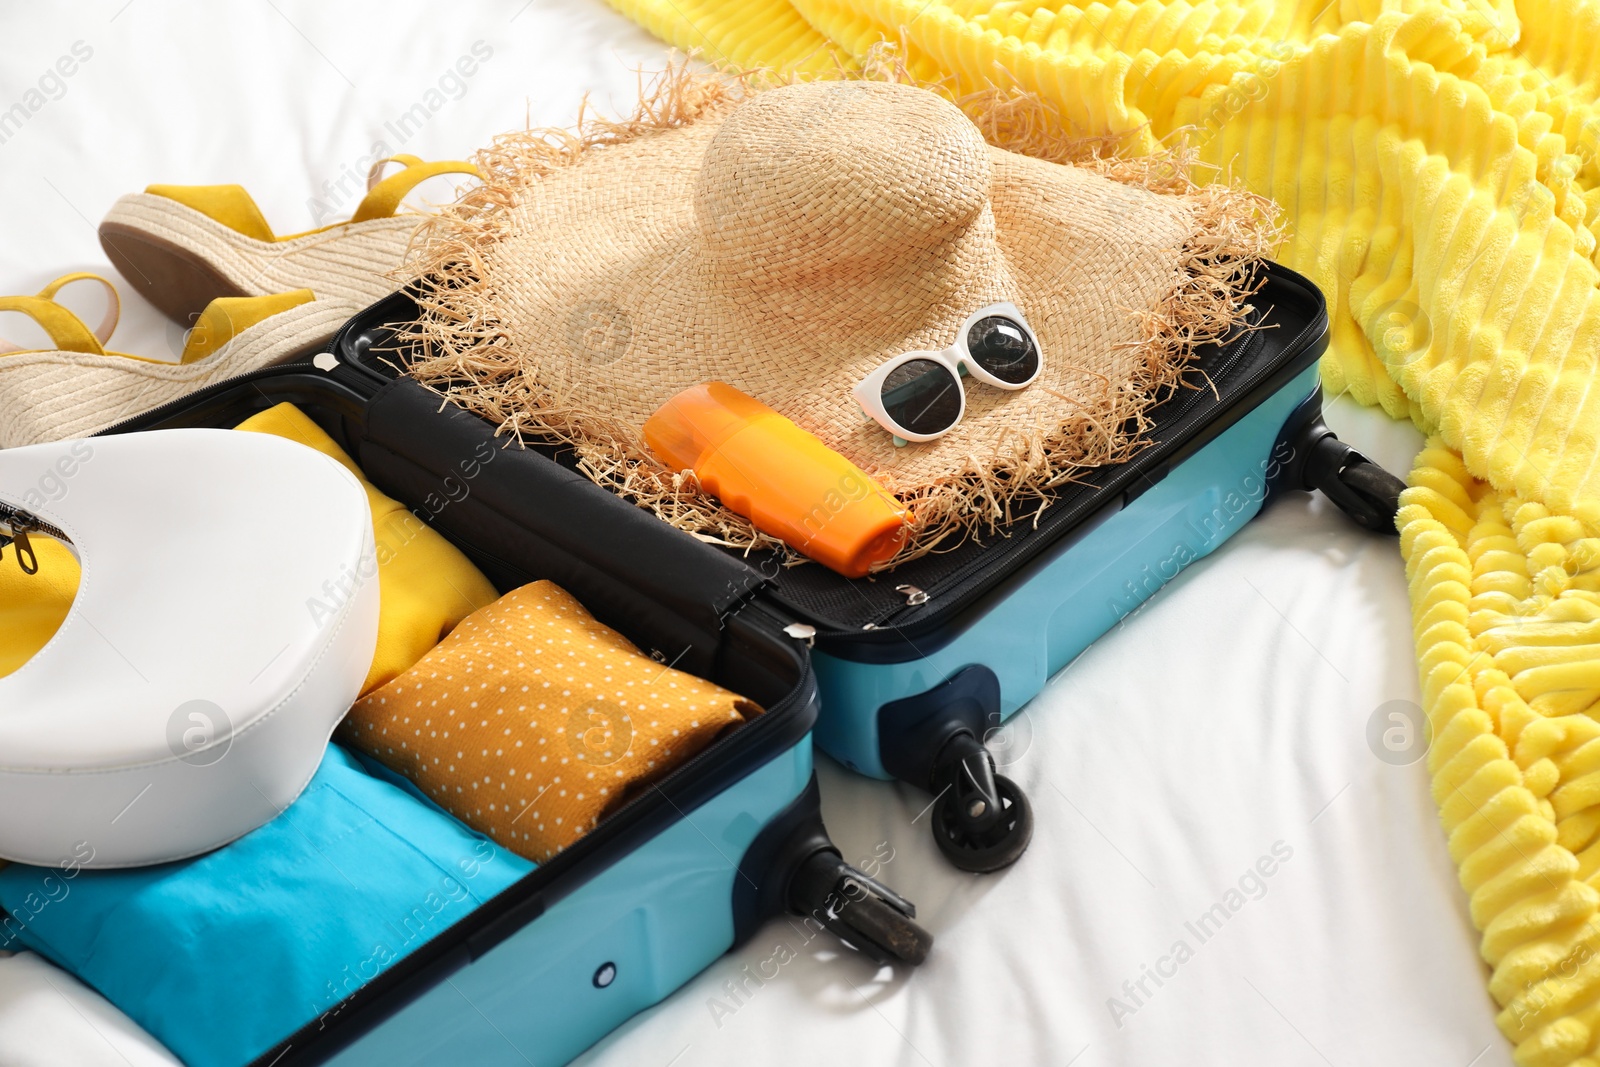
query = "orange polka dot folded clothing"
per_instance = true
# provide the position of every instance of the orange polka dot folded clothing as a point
(532, 721)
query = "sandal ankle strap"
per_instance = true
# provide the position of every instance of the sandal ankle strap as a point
(68, 333)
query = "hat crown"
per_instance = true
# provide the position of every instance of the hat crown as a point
(840, 177)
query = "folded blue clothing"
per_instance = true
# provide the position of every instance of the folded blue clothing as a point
(222, 956)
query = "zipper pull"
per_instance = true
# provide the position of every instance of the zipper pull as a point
(26, 559)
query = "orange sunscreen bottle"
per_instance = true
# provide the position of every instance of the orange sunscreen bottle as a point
(781, 478)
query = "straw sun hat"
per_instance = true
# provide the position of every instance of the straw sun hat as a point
(789, 241)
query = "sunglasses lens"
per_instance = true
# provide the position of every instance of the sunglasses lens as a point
(922, 396)
(1003, 348)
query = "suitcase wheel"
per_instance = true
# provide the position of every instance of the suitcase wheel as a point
(982, 821)
(860, 910)
(1363, 490)
(1368, 494)
(793, 867)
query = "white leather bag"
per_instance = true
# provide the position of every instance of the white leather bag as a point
(225, 620)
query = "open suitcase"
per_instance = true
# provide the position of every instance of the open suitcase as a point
(917, 666)
(682, 872)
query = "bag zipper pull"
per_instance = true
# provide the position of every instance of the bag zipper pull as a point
(25, 557)
(20, 524)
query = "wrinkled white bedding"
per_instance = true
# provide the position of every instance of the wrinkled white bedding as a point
(1211, 751)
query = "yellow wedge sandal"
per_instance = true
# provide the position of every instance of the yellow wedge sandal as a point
(183, 246)
(77, 387)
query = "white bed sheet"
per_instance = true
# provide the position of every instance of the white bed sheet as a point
(1227, 718)
(49, 1019)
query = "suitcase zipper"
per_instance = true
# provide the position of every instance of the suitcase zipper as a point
(172, 407)
(302, 362)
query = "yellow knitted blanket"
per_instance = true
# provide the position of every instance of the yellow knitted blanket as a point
(1436, 162)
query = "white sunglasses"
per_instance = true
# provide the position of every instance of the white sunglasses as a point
(917, 396)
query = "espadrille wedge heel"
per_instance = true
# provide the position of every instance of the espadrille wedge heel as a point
(183, 246)
(77, 387)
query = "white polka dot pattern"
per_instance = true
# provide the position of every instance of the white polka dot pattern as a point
(532, 720)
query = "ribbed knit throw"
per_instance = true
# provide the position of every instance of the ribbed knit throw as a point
(1436, 163)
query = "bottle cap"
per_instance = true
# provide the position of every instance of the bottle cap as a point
(699, 420)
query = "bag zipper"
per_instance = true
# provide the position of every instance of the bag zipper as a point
(18, 524)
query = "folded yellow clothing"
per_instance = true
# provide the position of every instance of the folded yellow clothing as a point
(532, 721)
(425, 584)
